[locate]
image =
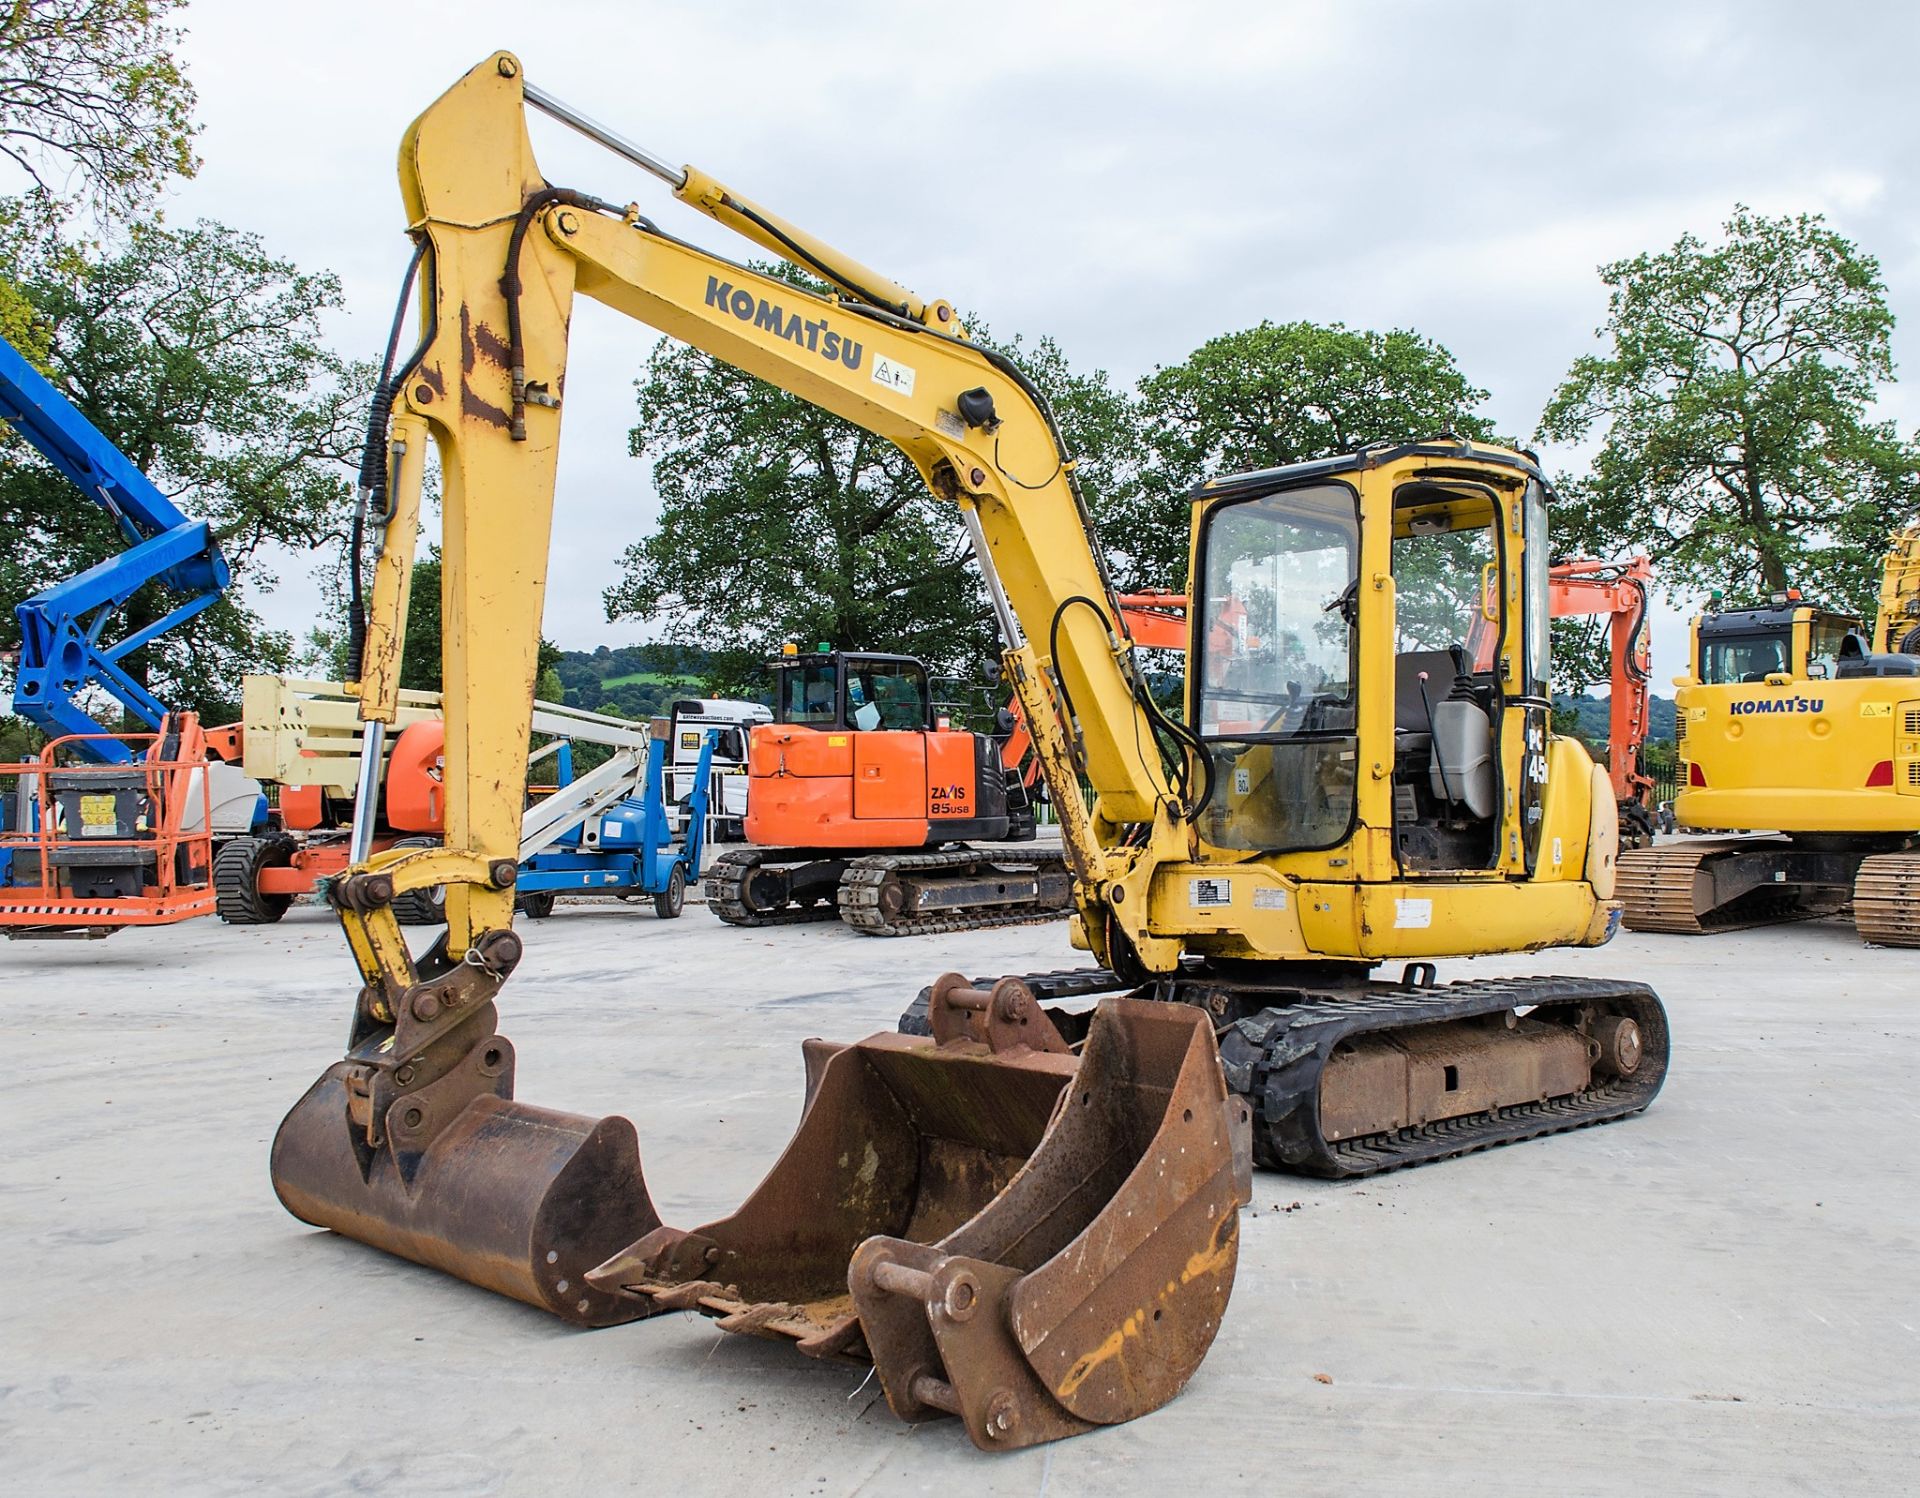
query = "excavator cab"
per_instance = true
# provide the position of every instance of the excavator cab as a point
(1327, 588)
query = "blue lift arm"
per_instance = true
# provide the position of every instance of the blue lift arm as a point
(65, 640)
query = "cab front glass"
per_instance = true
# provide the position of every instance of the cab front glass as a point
(1273, 695)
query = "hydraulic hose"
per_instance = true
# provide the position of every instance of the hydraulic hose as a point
(371, 491)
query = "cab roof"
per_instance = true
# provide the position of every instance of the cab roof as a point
(1265, 480)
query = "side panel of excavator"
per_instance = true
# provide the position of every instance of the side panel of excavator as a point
(843, 788)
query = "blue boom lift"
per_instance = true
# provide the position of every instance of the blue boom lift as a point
(88, 872)
(621, 848)
(67, 643)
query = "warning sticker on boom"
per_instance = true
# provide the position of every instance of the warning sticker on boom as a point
(896, 377)
(1206, 893)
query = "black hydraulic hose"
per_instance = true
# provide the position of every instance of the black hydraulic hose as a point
(1638, 634)
(373, 465)
(510, 286)
(1174, 765)
(800, 253)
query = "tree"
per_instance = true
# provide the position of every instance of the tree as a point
(199, 355)
(94, 107)
(1733, 414)
(1270, 395)
(780, 521)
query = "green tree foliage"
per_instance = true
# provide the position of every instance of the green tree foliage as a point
(1733, 412)
(1269, 395)
(95, 108)
(198, 353)
(634, 681)
(780, 521)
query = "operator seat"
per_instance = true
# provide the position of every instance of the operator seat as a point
(1461, 771)
(1409, 710)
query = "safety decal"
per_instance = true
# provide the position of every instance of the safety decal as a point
(1210, 893)
(1412, 915)
(896, 377)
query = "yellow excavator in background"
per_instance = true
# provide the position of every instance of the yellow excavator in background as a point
(1795, 720)
(1037, 1230)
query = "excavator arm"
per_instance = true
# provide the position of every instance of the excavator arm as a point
(507, 256)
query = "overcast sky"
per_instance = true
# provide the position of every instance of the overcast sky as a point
(1132, 179)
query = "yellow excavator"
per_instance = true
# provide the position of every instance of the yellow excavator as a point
(1796, 721)
(1025, 1221)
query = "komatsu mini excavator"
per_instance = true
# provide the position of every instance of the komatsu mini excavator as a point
(1794, 720)
(1032, 1230)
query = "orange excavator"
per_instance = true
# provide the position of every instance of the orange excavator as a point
(864, 803)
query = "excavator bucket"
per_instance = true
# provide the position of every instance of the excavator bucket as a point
(1035, 1241)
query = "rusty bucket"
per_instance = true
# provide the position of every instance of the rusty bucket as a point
(1034, 1242)
(413, 1143)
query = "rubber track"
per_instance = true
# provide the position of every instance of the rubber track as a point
(861, 886)
(1290, 1048)
(1886, 899)
(1275, 1059)
(726, 879)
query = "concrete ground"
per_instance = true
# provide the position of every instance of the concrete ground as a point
(1722, 1296)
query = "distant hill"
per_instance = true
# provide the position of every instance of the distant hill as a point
(631, 681)
(1591, 717)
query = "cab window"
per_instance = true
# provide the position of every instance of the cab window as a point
(1828, 632)
(886, 695)
(1732, 659)
(808, 694)
(1274, 695)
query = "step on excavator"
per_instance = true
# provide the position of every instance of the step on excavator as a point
(1036, 1258)
(1801, 725)
(863, 805)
